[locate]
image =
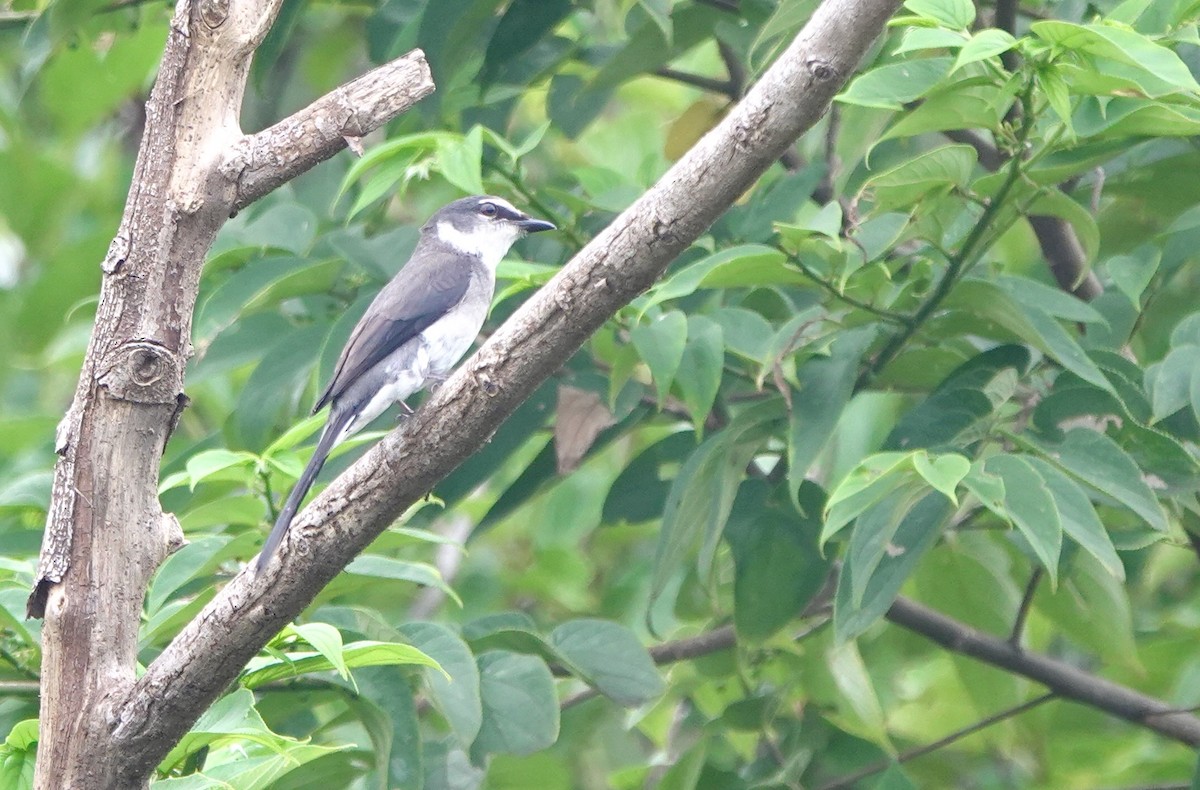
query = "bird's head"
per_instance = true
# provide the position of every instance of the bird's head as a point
(482, 225)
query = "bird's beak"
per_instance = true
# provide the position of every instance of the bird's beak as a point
(531, 225)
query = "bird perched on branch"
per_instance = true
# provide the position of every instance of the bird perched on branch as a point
(416, 329)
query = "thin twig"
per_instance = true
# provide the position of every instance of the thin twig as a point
(1018, 628)
(911, 754)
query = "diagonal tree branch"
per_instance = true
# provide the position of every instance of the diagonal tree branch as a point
(1064, 680)
(624, 260)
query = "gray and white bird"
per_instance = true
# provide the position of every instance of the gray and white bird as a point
(417, 328)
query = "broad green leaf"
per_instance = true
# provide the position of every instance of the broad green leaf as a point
(1092, 608)
(920, 38)
(17, 755)
(954, 14)
(660, 343)
(520, 708)
(1170, 382)
(959, 402)
(1052, 301)
(863, 714)
(401, 570)
(610, 658)
(876, 477)
(701, 368)
(1079, 518)
(183, 566)
(928, 173)
(980, 107)
(1101, 463)
(455, 690)
(326, 640)
(892, 86)
(1120, 44)
(703, 491)
(212, 463)
(1123, 117)
(824, 387)
(1132, 273)
(460, 160)
(871, 538)
(983, 45)
(988, 300)
(778, 568)
(1030, 506)
(231, 718)
(267, 669)
(689, 279)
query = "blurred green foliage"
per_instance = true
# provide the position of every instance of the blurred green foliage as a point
(865, 368)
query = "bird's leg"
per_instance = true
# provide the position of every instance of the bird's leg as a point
(405, 410)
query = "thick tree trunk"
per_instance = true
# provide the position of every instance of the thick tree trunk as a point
(106, 532)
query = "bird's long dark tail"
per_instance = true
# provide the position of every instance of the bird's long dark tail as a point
(328, 439)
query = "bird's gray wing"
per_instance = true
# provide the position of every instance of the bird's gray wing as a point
(419, 295)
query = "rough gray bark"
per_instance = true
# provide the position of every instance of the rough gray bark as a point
(620, 263)
(106, 532)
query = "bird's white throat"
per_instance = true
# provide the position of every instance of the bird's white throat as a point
(490, 242)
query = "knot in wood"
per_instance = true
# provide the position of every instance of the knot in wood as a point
(821, 68)
(144, 372)
(214, 12)
(489, 387)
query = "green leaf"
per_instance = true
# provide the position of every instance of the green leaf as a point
(954, 14)
(455, 690)
(871, 538)
(984, 44)
(943, 472)
(401, 570)
(326, 640)
(863, 715)
(874, 478)
(267, 669)
(959, 402)
(683, 283)
(892, 86)
(1052, 301)
(1101, 463)
(824, 387)
(661, 343)
(461, 161)
(921, 38)
(212, 463)
(1079, 518)
(918, 531)
(610, 658)
(1171, 381)
(701, 367)
(778, 568)
(702, 494)
(989, 300)
(1120, 44)
(232, 718)
(1133, 273)
(18, 755)
(520, 708)
(928, 173)
(1030, 506)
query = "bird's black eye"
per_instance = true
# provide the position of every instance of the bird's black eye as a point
(487, 209)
